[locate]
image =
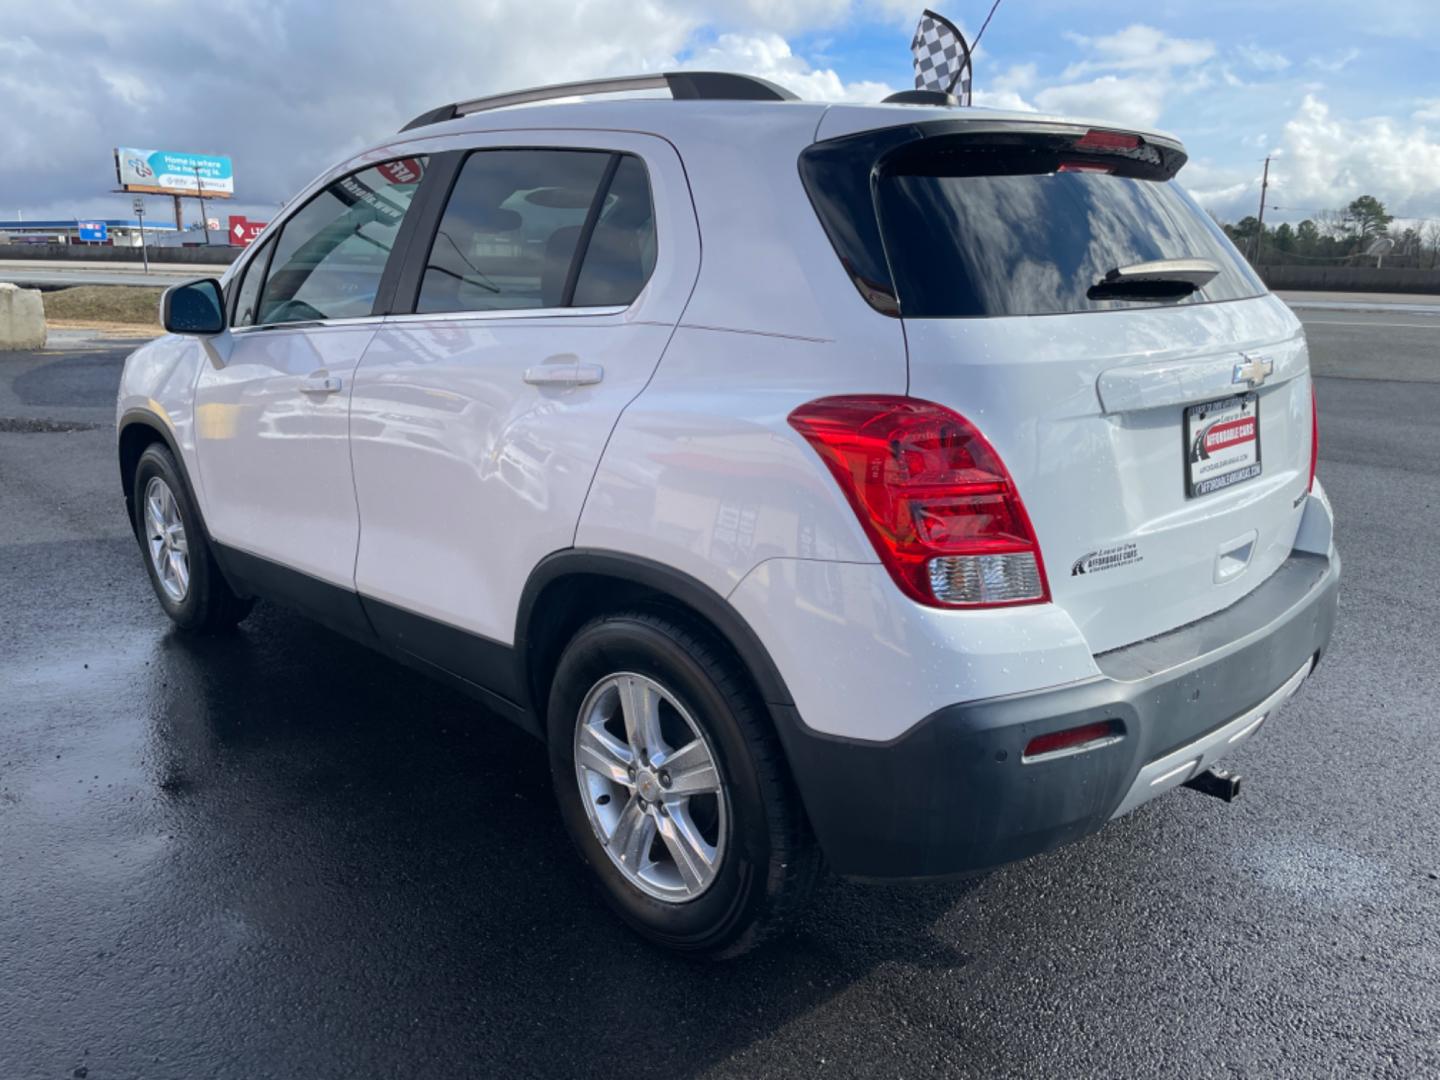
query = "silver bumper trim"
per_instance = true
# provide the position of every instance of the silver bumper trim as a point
(1172, 770)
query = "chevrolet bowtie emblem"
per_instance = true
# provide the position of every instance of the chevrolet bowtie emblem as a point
(1254, 371)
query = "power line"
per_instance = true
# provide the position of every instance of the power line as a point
(1341, 210)
(1322, 258)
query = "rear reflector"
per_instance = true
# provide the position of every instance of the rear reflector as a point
(1107, 140)
(934, 497)
(1073, 740)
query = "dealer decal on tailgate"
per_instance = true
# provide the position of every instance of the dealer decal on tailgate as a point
(1222, 440)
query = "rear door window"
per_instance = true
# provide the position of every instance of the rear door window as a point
(517, 221)
(1022, 231)
(621, 252)
(331, 254)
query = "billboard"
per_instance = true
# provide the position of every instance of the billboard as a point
(162, 172)
(93, 232)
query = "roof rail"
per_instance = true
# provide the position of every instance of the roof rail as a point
(683, 85)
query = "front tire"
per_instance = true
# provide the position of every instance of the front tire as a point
(187, 581)
(673, 785)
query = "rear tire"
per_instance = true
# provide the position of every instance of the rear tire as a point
(187, 581)
(744, 815)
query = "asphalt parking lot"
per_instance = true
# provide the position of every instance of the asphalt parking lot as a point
(278, 855)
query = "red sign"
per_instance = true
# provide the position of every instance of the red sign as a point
(1229, 433)
(243, 231)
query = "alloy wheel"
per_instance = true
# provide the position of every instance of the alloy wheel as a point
(651, 787)
(165, 540)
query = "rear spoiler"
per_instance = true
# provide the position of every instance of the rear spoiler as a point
(1147, 156)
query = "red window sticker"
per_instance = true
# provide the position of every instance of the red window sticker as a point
(404, 171)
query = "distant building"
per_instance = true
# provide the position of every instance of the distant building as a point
(123, 232)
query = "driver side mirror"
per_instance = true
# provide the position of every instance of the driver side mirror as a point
(196, 307)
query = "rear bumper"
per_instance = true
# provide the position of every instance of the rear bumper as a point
(952, 795)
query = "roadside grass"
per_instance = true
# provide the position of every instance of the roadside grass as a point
(104, 307)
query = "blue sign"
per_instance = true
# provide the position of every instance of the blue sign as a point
(94, 231)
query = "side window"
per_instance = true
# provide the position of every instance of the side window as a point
(621, 253)
(509, 232)
(330, 255)
(247, 301)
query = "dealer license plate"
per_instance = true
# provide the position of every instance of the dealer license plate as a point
(1222, 443)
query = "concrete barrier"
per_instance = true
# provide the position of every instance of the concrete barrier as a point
(22, 318)
(211, 255)
(1381, 279)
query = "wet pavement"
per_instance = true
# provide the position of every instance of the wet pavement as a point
(275, 854)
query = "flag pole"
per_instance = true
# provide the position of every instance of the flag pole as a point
(985, 23)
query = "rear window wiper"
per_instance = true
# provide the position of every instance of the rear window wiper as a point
(1159, 279)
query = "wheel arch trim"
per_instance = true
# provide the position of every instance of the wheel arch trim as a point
(152, 421)
(636, 570)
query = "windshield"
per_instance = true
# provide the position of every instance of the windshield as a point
(985, 232)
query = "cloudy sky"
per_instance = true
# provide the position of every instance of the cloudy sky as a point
(1345, 96)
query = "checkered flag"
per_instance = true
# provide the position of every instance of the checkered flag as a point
(942, 59)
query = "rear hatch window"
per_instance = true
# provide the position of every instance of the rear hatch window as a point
(997, 224)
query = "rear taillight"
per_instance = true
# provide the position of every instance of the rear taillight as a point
(1314, 435)
(934, 497)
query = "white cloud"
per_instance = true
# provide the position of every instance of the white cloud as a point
(1335, 62)
(1137, 69)
(131, 87)
(1262, 59)
(1130, 101)
(1329, 161)
(1137, 48)
(770, 57)
(785, 16)
(1007, 89)
(1428, 112)
(1019, 78)
(1000, 99)
(1323, 161)
(1221, 189)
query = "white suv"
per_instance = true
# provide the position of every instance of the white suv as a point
(874, 484)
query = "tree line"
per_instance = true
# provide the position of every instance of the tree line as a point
(1338, 236)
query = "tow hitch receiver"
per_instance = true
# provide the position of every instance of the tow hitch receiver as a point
(1223, 785)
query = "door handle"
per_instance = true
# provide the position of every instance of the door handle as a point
(567, 374)
(320, 384)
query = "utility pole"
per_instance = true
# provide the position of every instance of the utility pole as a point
(1260, 232)
(139, 207)
(200, 193)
